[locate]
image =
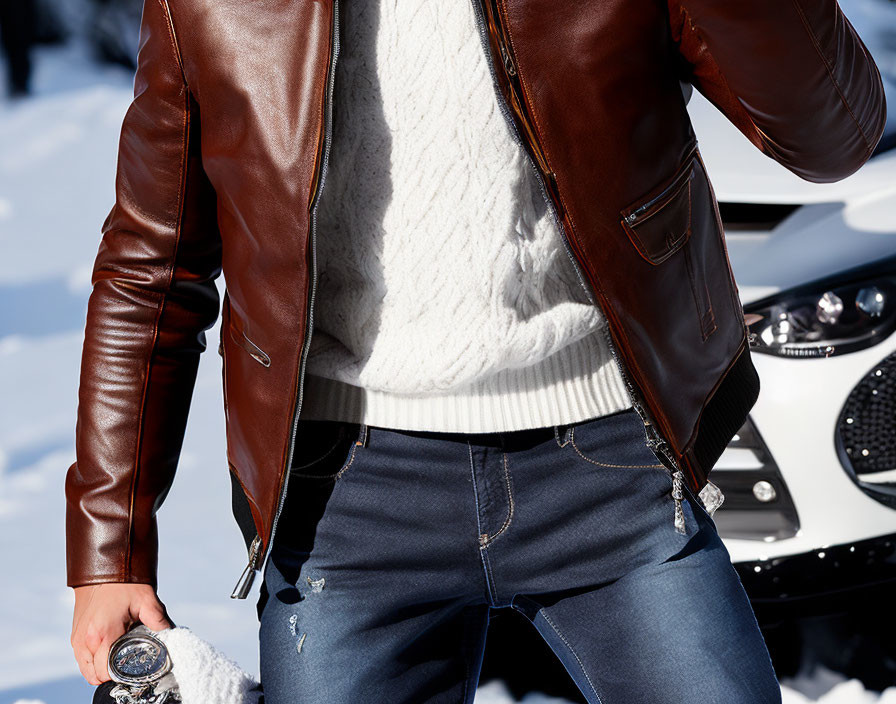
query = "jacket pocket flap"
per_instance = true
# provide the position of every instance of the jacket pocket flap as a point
(661, 224)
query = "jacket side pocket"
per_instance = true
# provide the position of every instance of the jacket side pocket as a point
(660, 227)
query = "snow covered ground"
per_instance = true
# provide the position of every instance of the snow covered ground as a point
(57, 162)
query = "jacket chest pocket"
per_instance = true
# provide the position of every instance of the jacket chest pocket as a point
(667, 229)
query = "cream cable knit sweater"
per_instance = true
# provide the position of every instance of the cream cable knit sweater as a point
(446, 300)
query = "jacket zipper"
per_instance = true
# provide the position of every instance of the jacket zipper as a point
(655, 440)
(241, 590)
(257, 558)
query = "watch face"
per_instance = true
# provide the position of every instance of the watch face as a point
(137, 659)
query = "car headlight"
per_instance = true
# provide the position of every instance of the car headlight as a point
(825, 318)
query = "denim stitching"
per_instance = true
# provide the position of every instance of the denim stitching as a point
(571, 650)
(565, 441)
(492, 586)
(604, 464)
(475, 491)
(507, 521)
(358, 443)
(482, 555)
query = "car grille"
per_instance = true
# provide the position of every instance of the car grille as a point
(866, 432)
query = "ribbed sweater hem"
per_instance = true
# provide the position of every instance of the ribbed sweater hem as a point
(579, 382)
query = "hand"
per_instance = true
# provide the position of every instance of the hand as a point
(103, 612)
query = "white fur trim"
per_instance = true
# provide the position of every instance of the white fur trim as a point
(204, 674)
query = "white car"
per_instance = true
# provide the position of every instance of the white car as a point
(809, 515)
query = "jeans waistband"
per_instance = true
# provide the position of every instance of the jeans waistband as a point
(506, 440)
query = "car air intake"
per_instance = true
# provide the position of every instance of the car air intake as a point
(757, 505)
(758, 217)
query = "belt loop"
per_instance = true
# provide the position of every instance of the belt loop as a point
(561, 429)
(365, 433)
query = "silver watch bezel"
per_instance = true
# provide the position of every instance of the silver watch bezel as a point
(129, 638)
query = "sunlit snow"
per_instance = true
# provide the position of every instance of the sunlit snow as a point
(57, 162)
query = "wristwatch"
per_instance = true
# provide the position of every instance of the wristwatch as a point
(140, 671)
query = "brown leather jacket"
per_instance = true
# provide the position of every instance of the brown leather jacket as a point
(223, 152)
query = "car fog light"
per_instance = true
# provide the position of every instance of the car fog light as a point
(764, 491)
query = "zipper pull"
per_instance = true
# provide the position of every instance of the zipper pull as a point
(677, 481)
(633, 216)
(241, 590)
(711, 497)
(508, 60)
(752, 337)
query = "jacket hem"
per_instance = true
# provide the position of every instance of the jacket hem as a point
(724, 414)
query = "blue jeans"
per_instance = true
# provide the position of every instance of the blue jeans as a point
(394, 547)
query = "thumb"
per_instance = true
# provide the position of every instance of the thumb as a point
(153, 615)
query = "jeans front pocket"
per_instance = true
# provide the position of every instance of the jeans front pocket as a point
(325, 449)
(619, 441)
(615, 440)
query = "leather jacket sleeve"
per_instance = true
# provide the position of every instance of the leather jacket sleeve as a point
(792, 75)
(153, 297)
